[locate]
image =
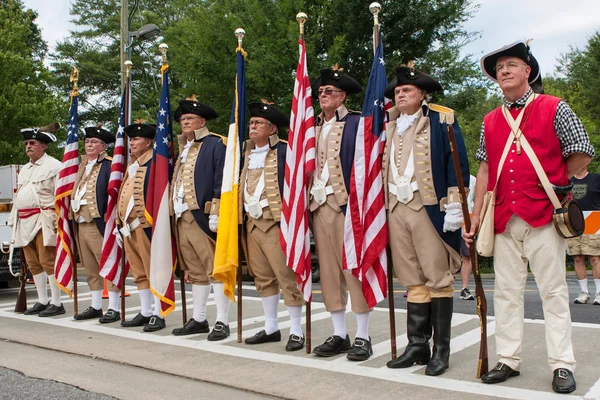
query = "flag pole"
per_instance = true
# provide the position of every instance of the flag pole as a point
(375, 9)
(74, 227)
(301, 18)
(239, 34)
(126, 116)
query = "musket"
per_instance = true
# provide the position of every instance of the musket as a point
(482, 365)
(21, 304)
(301, 18)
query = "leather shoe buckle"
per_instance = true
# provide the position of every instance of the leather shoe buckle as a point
(152, 321)
(296, 338)
(359, 342)
(562, 374)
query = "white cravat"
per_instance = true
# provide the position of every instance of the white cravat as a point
(327, 127)
(132, 169)
(186, 150)
(405, 121)
(257, 157)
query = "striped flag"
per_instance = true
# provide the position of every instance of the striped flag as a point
(227, 248)
(365, 231)
(65, 260)
(111, 266)
(299, 165)
(163, 248)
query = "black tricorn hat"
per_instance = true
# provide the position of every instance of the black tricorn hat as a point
(141, 129)
(192, 106)
(100, 133)
(43, 134)
(408, 75)
(517, 49)
(334, 76)
(269, 112)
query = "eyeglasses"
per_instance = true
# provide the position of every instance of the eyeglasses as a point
(93, 141)
(512, 65)
(183, 119)
(327, 92)
(259, 123)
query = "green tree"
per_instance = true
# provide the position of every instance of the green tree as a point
(26, 98)
(577, 81)
(202, 48)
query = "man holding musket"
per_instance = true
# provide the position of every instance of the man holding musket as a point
(335, 130)
(88, 204)
(33, 217)
(523, 228)
(134, 228)
(261, 189)
(424, 213)
(196, 192)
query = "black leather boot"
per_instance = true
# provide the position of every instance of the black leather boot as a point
(441, 318)
(418, 327)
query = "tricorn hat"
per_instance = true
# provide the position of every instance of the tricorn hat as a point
(334, 76)
(192, 106)
(43, 134)
(408, 75)
(100, 133)
(141, 129)
(518, 49)
(269, 112)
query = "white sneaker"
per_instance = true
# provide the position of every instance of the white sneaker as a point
(583, 298)
(597, 299)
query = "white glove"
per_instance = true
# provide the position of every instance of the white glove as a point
(213, 222)
(453, 220)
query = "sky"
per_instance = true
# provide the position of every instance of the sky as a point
(554, 25)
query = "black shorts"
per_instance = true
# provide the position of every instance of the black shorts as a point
(464, 250)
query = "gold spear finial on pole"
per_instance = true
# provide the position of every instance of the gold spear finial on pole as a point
(239, 34)
(128, 66)
(74, 78)
(163, 50)
(301, 17)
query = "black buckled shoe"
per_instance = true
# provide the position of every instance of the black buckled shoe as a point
(361, 350)
(220, 331)
(563, 381)
(294, 343)
(138, 320)
(333, 346)
(262, 337)
(89, 313)
(500, 373)
(36, 309)
(52, 310)
(192, 327)
(110, 316)
(155, 324)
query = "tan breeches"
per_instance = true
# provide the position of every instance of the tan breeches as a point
(197, 250)
(266, 261)
(328, 231)
(137, 249)
(90, 251)
(419, 255)
(544, 250)
(40, 258)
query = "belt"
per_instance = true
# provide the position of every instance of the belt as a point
(128, 228)
(263, 203)
(30, 212)
(393, 188)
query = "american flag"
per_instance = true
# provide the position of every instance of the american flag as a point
(365, 231)
(65, 260)
(299, 165)
(111, 266)
(163, 249)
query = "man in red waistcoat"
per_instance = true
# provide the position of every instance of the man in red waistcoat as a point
(523, 215)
